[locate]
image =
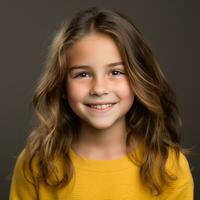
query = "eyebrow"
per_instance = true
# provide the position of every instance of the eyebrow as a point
(71, 68)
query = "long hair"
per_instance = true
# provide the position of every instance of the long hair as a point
(152, 121)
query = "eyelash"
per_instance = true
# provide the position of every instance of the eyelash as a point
(79, 75)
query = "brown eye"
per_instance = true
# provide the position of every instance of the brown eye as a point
(81, 75)
(115, 72)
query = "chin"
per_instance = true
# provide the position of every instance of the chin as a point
(101, 125)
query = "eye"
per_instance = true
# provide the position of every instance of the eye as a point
(115, 72)
(82, 75)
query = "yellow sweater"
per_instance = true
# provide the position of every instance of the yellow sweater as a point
(103, 180)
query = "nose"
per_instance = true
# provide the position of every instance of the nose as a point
(99, 87)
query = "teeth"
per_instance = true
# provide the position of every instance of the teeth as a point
(103, 106)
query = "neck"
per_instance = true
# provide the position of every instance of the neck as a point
(110, 142)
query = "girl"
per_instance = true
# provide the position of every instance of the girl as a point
(108, 124)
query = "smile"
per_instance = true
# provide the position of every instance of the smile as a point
(100, 107)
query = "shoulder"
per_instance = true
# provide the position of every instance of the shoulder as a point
(21, 161)
(22, 165)
(31, 167)
(182, 188)
(22, 184)
(21, 158)
(24, 157)
(179, 167)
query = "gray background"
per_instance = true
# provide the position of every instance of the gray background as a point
(26, 28)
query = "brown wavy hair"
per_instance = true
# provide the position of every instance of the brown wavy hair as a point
(152, 121)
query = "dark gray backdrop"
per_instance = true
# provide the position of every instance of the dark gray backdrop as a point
(26, 28)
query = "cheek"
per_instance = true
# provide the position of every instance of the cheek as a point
(75, 91)
(124, 89)
(125, 94)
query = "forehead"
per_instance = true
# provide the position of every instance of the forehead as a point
(95, 47)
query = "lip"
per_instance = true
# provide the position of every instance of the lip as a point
(101, 103)
(100, 110)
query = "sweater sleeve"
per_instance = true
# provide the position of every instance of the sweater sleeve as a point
(21, 188)
(183, 187)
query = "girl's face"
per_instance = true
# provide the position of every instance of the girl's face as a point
(96, 75)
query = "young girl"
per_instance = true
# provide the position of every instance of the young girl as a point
(108, 124)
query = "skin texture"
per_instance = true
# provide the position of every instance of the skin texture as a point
(101, 135)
